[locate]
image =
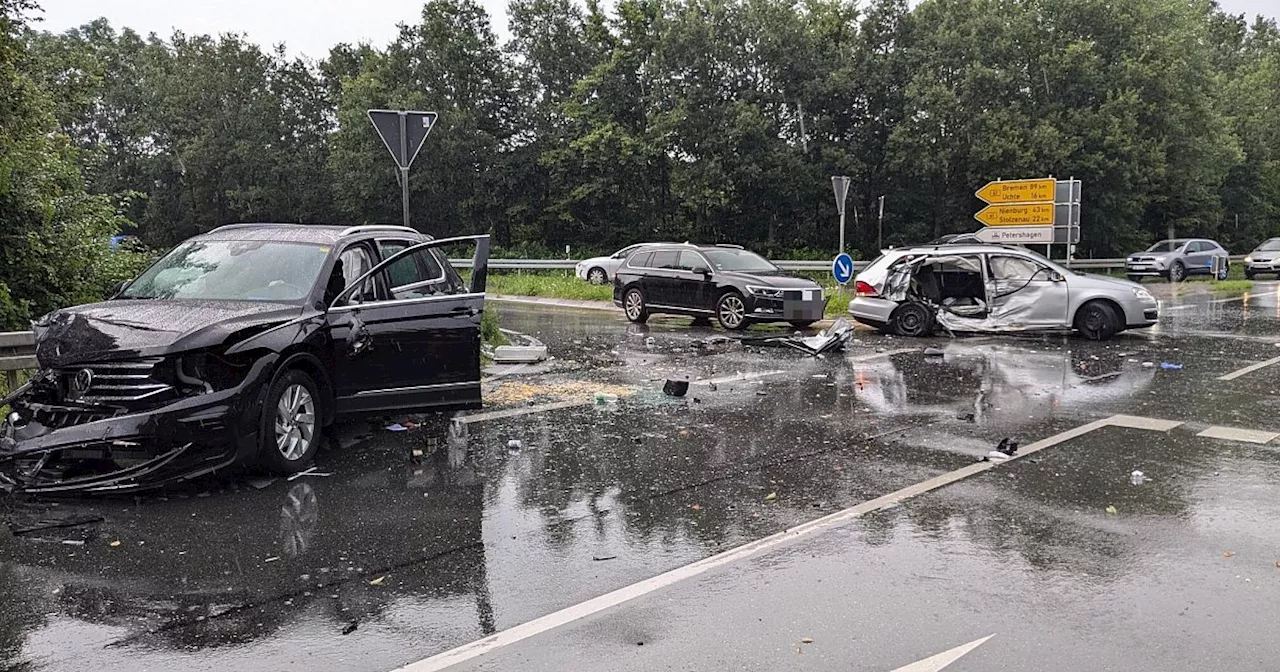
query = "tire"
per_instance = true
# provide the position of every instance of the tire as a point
(731, 311)
(1135, 278)
(1177, 272)
(803, 324)
(634, 307)
(287, 440)
(597, 276)
(1249, 275)
(1097, 321)
(912, 319)
(1224, 272)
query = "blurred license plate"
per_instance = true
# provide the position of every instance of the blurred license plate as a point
(802, 310)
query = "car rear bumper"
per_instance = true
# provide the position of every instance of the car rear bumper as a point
(135, 451)
(872, 311)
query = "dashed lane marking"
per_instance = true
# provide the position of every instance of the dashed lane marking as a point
(1237, 434)
(1250, 369)
(936, 663)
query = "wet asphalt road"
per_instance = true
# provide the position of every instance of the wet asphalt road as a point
(422, 541)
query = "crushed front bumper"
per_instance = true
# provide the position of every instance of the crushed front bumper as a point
(133, 451)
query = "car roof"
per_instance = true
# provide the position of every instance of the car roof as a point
(951, 249)
(299, 233)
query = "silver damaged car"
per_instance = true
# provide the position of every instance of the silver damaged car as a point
(993, 288)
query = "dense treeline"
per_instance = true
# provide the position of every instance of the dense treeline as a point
(712, 120)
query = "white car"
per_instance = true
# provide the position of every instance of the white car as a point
(600, 270)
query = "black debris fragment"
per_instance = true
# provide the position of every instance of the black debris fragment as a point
(18, 529)
(351, 627)
(1008, 446)
(933, 352)
(675, 387)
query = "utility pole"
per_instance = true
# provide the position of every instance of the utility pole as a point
(880, 230)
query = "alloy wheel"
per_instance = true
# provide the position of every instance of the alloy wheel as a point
(596, 276)
(634, 305)
(295, 422)
(732, 311)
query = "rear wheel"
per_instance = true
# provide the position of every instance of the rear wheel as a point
(1249, 275)
(597, 276)
(1177, 272)
(633, 306)
(1097, 321)
(912, 319)
(289, 432)
(731, 311)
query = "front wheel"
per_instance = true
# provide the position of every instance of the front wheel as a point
(597, 276)
(1177, 272)
(633, 306)
(1097, 321)
(289, 432)
(731, 311)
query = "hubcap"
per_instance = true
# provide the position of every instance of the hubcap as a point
(1094, 321)
(732, 311)
(596, 277)
(633, 304)
(295, 422)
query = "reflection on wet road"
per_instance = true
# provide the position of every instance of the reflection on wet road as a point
(425, 540)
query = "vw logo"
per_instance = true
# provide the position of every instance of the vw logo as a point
(80, 383)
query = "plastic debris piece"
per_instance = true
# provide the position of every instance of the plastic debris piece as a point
(1008, 446)
(260, 483)
(1148, 365)
(310, 471)
(770, 497)
(73, 542)
(602, 558)
(696, 507)
(397, 427)
(1171, 366)
(378, 581)
(416, 452)
(606, 398)
(933, 352)
(272, 558)
(1112, 510)
(73, 521)
(114, 543)
(806, 640)
(675, 387)
(1137, 477)
(649, 342)
(1228, 554)
(351, 627)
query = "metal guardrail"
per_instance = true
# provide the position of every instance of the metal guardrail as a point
(17, 352)
(786, 265)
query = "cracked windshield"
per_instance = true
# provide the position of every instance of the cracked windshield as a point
(638, 335)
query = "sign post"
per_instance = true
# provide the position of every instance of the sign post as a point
(403, 132)
(840, 184)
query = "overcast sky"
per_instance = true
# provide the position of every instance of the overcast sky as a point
(312, 26)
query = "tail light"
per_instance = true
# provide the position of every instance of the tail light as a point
(863, 289)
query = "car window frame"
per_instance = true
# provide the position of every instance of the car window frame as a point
(654, 260)
(990, 271)
(635, 255)
(417, 262)
(696, 253)
(373, 253)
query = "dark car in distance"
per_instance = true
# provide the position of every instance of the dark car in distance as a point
(240, 346)
(736, 286)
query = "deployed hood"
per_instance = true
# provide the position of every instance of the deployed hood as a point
(146, 328)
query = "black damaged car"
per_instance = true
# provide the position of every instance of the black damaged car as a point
(240, 346)
(736, 286)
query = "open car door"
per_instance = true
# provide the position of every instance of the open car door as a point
(416, 346)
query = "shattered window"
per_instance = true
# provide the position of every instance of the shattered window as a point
(232, 270)
(1013, 268)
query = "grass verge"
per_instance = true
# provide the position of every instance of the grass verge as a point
(1231, 285)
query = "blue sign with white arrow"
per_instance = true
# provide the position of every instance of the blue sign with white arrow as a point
(842, 268)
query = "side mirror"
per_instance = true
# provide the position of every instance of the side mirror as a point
(703, 271)
(1055, 276)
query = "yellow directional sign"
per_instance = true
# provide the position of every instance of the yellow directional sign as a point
(1024, 214)
(1018, 191)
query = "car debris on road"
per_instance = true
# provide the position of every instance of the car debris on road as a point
(833, 338)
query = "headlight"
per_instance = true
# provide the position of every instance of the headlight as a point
(771, 292)
(1143, 295)
(1248, 259)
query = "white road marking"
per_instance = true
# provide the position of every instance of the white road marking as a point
(1237, 434)
(595, 605)
(524, 410)
(935, 663)
(1250, 369)
(739, 377)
